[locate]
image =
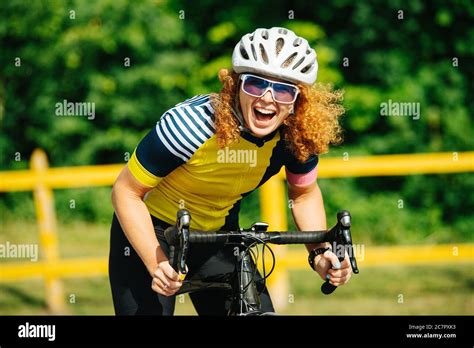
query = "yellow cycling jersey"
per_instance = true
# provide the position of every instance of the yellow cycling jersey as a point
(181, 161)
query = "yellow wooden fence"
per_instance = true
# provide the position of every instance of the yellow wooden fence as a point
(42, 180)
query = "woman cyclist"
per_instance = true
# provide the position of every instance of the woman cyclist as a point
(197, 157)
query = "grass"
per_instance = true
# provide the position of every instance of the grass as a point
(436, 290)
(413, 290)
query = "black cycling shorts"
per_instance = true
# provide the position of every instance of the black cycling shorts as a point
(131, 283)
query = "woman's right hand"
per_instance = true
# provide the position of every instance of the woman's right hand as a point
(165, 279)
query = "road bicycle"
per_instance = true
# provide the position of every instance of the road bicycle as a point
(242, 282)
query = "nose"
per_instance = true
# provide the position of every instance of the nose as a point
(267, 97)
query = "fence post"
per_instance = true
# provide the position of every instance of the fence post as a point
(272, 206)
(46, 217)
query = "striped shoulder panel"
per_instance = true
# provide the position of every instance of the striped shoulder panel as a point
(185, 127)
(196, 98)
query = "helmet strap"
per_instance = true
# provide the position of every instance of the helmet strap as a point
(238, 114)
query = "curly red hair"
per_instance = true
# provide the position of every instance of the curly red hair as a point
(310, 130)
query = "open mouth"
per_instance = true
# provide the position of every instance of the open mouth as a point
(263, 114)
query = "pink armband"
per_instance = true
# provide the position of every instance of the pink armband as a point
(302, 179)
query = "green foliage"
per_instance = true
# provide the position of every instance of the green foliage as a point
(126, 58)
(400, 51)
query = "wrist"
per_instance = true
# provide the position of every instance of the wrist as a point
(315, 255)
(317, 258)
(160, 256)
(155, 261)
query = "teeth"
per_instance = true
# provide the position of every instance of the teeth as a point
(264, 111)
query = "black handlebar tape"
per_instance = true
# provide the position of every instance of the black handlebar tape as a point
(298, 237)
(327, 288)
(274, 237)
(207, 237)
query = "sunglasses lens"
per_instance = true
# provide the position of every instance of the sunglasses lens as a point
(284, 93)
(255, 86)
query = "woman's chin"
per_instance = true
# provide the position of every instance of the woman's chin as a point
(260, 131)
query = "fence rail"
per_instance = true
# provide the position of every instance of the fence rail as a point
(42, 180)
(374, 256)
(384, 165)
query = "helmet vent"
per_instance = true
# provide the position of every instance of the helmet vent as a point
(253, 52)
(288, 60)
(279, 45)
(243, 52)
(277, 52)
(307, 68)
(263, 54)
(298, 64)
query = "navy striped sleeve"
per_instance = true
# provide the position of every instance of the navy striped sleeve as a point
(177, 136)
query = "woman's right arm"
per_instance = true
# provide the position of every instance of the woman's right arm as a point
(133, 215)
(159, 153)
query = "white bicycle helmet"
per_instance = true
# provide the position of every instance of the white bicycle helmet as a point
(276, 52)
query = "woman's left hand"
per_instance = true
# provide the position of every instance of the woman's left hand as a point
(329, 268)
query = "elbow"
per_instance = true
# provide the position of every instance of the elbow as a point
(296, 192)
(122, 193)
(115, 195)
(126, 189)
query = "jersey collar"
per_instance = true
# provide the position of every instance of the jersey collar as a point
(258, 141)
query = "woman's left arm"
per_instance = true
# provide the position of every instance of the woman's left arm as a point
(309, 215)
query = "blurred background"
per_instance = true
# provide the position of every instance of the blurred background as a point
(136, 59)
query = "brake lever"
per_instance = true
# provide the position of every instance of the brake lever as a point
(183, 222)
(177, 237)
(340, 235)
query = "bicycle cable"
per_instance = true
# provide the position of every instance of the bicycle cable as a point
(249, 249)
